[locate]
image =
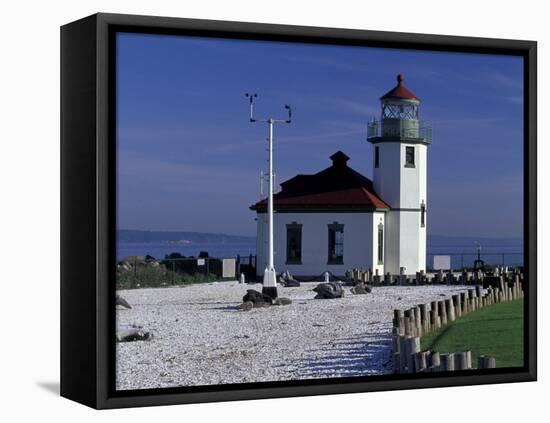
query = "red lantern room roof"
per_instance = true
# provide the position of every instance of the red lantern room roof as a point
(400, 92)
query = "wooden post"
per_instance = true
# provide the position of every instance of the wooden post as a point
(457, 306)
(481, 362)
(398, 321)
(442, 312)
(414, 347)
(420, 361)
(424, 321)
(397, 362)
(478, 290)
(447, 362)
(435, 320)
(407, 319)
(450, 310)
(461, 360)
(463, 299)
(403, 351)
(395, 343)
(468, 359)
(501, 287)
(418, 320)
(433, 307)
(435, 361)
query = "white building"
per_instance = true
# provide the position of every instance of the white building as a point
(338, 219)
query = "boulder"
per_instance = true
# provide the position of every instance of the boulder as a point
(287, 280)
(282, 301)
(132, 333)
(361, 289)
(257, 298)
(329, 290)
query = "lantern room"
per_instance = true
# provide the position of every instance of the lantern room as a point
(399, 115)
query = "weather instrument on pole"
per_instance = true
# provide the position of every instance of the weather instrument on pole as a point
(270, 275)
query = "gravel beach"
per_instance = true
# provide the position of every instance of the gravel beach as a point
(199, 338)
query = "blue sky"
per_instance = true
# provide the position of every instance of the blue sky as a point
(189, 160)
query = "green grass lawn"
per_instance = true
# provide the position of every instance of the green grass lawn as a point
(497, 331)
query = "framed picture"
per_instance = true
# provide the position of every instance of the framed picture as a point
(259, 211)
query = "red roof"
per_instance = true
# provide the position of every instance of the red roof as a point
(399, 91)
(336, 187)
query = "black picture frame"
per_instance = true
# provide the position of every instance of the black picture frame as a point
(88, 213)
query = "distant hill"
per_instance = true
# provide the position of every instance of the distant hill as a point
(126, 235)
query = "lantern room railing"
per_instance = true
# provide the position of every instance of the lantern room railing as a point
(399, 128)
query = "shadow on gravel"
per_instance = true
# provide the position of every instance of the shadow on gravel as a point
(347, 357)
(224, 308)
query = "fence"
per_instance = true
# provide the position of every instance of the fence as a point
(467, 260)
(410, 325)
(137, 271)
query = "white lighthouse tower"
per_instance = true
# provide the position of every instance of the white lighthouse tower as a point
(400, 144)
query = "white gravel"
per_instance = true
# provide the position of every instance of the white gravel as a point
(201, 339)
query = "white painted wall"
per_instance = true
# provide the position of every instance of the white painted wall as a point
(403, 188)
(359, 242)
(386, 177)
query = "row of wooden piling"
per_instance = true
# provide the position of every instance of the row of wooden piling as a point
(436, 278)
(420, 278)
(433, 361)
(411, 324)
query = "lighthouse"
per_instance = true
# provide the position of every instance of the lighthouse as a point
(400, 146)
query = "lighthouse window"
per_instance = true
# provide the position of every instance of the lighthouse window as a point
(335, 244)
(376, 156)
(293, 243)
(380, 244)
(409, 156)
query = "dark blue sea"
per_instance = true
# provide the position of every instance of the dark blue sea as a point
(160, 249)
(463, 252)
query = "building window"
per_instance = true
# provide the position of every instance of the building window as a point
(335, 244)
(380, 243)
(409, 156)
(422, 214)
(293, 243)
(376, 156)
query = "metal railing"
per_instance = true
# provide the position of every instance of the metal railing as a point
(461, 261)
(422, 130)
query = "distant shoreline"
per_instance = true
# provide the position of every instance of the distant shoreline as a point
(183, 237)
(131, 235)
